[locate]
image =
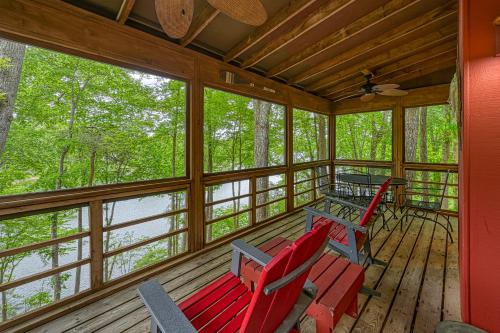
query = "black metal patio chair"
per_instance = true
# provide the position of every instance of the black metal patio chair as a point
(417, 202)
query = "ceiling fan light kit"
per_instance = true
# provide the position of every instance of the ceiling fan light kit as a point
(369, 90)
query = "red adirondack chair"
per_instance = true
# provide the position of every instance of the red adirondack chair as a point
(347, 238)
(227, 305)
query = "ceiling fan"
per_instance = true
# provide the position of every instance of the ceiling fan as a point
(369, 90)
(175, 16)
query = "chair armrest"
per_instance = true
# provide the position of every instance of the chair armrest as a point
(242, 248)
(347, 224)
(165, 314)
(347, 203)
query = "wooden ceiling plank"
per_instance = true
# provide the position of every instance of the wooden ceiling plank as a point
(442, 50)
(330, 9)
(410, 73)
(125, 10)
(206, 15)
(395, 54)
(365, 23)
(281, 18)
(416, 26)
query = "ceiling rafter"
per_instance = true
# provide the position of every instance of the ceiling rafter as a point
(419, 25)
(125, 10)
(394, 54)
(409, 73)
(330, 9)
(444, 49)
(206, 15)
(278, 20)
(364, 23)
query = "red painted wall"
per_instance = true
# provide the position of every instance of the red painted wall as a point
(480, 165)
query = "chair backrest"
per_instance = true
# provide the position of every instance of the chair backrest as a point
(266, 312)
(443, 192)
(374, 203)
(322, 180)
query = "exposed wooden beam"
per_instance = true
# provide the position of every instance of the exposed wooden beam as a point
(391, 55)
(125, 10)
(412, 72)
(409, 30)
(365, 23)
(312, 20)
(442, 50)
(277, 21)
(206, 15)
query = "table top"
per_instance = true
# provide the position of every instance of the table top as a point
(364, 179)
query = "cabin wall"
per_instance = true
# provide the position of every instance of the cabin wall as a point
(480, 165)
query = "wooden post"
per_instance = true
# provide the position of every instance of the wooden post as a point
(398, 149)
(253, 186)
(332, 138)
(96, 246)
(196, 216)
(289, 156)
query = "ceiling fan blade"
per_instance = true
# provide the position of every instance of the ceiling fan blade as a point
(392, 92)
(367, 97)
(382, 87)
(250, 12)
(175, 16)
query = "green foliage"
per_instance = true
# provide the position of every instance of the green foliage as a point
(4, 63)
(229, 132)
(310, 136)
(364, 136)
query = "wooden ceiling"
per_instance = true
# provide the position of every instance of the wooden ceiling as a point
(319, 45)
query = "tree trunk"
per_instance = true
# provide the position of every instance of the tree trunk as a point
(322, 137)
(9, 83)
(261, 153)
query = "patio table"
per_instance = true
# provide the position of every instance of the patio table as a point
(377, 180)
(337, 280)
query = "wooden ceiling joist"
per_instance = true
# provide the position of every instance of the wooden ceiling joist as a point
(125, 10)
(446, 50)
(200, 22)
(410, 73)
(421, 44)
(407, 31)
(364, 23)
(312, 20)
(274, 23)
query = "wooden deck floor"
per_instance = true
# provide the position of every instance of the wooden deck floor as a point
(419, 287)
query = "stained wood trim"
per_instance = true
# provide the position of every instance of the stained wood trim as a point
(143, 243)
(96, 245)
(378, 164)
(143, 220)
(200, 22)
(330, 9)
(367, 22)
(408, 49)
(281, 18)
(125, 10)
(443, 51)
(270, 202)
(213, 203)
(431, 167)
(270, 189)
(437, 94)
(417, 28)
(440, 48)
(39, 245)
(221, 218)
(230, 176)
(44, 274)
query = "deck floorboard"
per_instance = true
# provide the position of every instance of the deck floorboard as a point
(419, 285)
